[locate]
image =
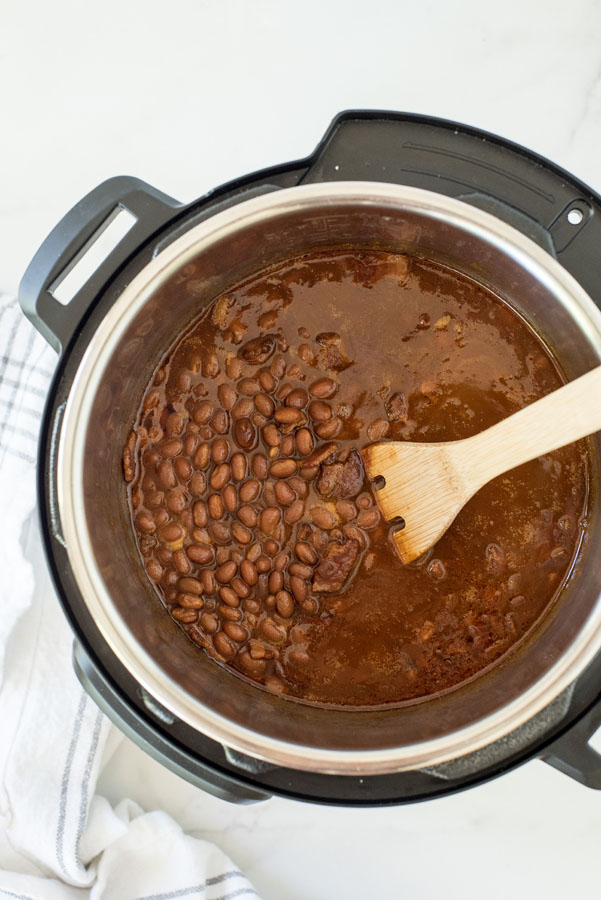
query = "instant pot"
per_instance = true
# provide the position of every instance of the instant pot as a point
(414, 184)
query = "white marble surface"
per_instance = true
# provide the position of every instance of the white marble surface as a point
(191, 93)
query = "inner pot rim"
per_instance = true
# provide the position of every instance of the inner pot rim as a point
(71, 501)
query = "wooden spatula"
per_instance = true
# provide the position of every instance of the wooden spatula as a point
(427, 484)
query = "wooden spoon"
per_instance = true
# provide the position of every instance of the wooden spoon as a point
(427, 484)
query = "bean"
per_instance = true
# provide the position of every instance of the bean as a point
(284, 604)
(377, 429)
(368, 518)
(154, 499)
(223, 645)
(209, 622)
(319, 411)
(245, 433)
(230, 498)
(254, 667)
(170, 447)
(240, 533)
(268, 519)
(271, 435)
(227, 396)
(248, 387)
(271, 547)
(202, 412)
(190, 601)
(175, 501)
(254, 552)
(364, 501)
(182, 468)
(230, 613)
(306, 354)
(298, 586)
(267, 381)
(284, 493)
(190, 444)
(170, 533)
(305, 553)
(216, 508)
(233, 368)
(304, 441)
(262, 589)
(346, 509)
(278, 366)
(229, 596)
(226, 572)
(220, 476)
(209, 585)
(200, 512)
(181, 562)
(298, 485)
(323, 388)
(185, 616)
(295, 512)
(165, 474)
(161, 516)
(322, 517)
(263, 564)
(220, 450)
(238, 466)
(287, 447)
(354, 533)
(248, 516)
(236, 632)
(300, 570)
(250, 490)
(203, 554)
(282, 468)
(210, 366)
(308, 472)
(248, 570)
(154, 569)
(189, 585)
(220, 421)
(276, 581)
(287, 415)
(281, 561)
(145, 523)
(241, 587)
(243, 408)
(220, 533)
(170, 577)
(259, 466)
(265, 405)
(272, 632)
(202, 456)
(297, 398)
(327, 430)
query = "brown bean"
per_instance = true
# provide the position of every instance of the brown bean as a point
(202, 456)
(248, 387)
(222, 555)
(230, 613)
(298, 586)
(170, 533)
(377, 429)
(319, 411)
(254, 552)
(233, 368)
(241, 587)
(254, 667)
(322, 517)
(170, 577)
(268, 519)
(248, 570)
(227, 396)
(304, 441)
(271, 435)
(265, 405)
(276, 581)
(220, 450)
(305, 553)
(281, 561)
(220, 476)
(190, 444)
(346, 509)
(154, 569)
(250, 490)
(165, 473)
(271, 547)
(220, 533)
(223, 645)
(351, 531)
(182, 468)
(202, 554)
(145, 523)
(248, 516)
(170, 447)
(161, 516)
(284, 604)
(230, 498)
(245, 433)
(259, 466)
(236, 632)
(278, 366)
(295, 371)
(210, 366)
(272, 632)
(209, 622)
(209, 585)
(297, 398)
(298, 485)
(308, 472)
(154, 499)
(241, 533)
(216, 508)
(200, 512)
(185, 616)
(202, 412)
(189, 585)
(284, 493)
(229, 596)
(226, 572)
(243, 408)
(295, 512)
(301, 570)
(220, 421)
(263, 564)
(287, 415)
(327, 430)
(282, 468)
(190, 601)
(323, 388)
(238, 466)
(181, 562)
(175, 502)
(267, 381)
(368, 518)
(288, 446)
(306, 354)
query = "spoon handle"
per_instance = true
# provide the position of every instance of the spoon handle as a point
(567, 414)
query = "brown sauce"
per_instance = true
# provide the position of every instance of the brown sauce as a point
(250, 505)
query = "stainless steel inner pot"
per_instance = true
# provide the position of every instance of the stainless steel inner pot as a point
(204, 261)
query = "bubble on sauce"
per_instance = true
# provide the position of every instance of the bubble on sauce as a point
(566, 524)
(423, 321)
(437, 570)
(513, 582)
(495, 558)
(558, 552)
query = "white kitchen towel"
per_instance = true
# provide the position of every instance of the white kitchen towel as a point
(58, 839)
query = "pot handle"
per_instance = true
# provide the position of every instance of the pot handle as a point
(572, 753)
(70, 242)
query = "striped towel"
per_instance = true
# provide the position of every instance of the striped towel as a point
(58, 838)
